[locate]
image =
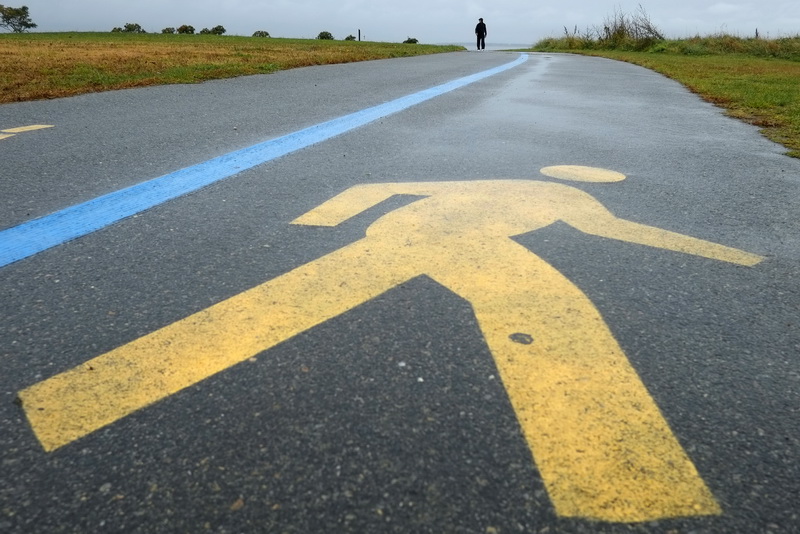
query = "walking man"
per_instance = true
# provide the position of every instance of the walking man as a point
(480, 32)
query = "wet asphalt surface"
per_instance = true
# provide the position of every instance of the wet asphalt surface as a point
(391, 417)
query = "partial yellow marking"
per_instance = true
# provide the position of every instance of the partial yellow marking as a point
(582, 174)
(27, 128)
(5, 136)
(601, 444)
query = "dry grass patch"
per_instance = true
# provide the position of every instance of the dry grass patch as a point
(37, 66)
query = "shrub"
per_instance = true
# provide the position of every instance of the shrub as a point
(619, 31)
(186, 29)
(325, 36)
(629, 32)
(260, 33)
(350, 38)
(216, 30)
(129, 28)
(168, 30)
(410, 40)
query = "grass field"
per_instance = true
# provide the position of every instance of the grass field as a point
(755, 80)
(50, 65)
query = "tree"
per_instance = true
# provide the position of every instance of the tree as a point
(129, 28)
(410, 40)
(261, 33)
(16, 19)
(186, 29)
(216, 30)
(168, 30)
(350, 37)
(325, 36)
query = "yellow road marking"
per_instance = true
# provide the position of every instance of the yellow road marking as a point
(27, 128)
(11, 132)
(583, 174)
(600, 442)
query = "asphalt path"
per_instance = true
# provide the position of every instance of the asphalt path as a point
(393, 415)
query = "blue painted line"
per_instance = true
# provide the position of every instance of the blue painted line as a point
(40, 234)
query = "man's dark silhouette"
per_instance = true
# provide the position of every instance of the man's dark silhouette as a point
(480, 32)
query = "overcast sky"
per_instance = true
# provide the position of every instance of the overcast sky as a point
(430, 21)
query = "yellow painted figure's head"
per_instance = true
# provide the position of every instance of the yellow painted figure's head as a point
(576, 173)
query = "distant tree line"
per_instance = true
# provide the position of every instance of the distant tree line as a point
(219, 30)
(184, 29)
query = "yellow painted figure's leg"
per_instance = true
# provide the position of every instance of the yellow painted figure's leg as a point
(92, 395)
(598, 439)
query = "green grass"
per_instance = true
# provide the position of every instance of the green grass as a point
(755, 80)
(49, 65)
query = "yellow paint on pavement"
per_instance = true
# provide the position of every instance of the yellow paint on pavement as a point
(577, 173)
(600, 442)
(11, 132)
(27, 128)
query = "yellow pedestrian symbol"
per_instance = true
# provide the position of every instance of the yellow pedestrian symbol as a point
(598, 439)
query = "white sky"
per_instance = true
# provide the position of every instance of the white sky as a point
(430, 21)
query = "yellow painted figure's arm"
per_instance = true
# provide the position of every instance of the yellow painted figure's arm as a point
(601, 222)
(357, 199)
